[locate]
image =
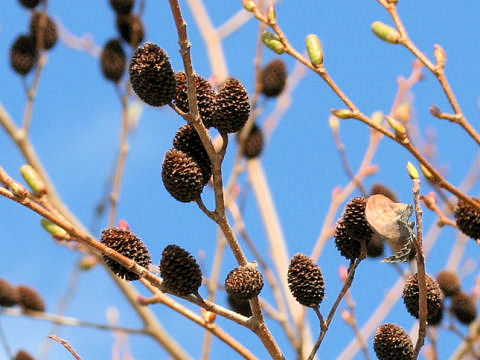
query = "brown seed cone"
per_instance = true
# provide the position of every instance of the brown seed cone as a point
(113, 60)
(180, 272)
(233, 107)
(50, 34)
(206, 97)
(274, 78)
(30, 299)
(411, 294)
(464, 308)
(391, 342)
(244, 282)
(253, 145)
(375, 247)
(348, 247)
(151, 75)
(23, 355)
(29, 4)
(468, 218)
(187, 140)
(240, 306)
(129, 245)
(130, 28)
(8, 294)
(437, 318)
(354, 219)
(182, 176)
(383, 190)
(123, 7)
(449, 282)
(23, 54)
(305, 281)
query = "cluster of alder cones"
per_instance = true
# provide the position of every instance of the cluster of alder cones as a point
(42, 35)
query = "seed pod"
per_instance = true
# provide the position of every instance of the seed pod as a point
(253, 145)
(244, 282)
(411, 295)
(122, 6)
(383, 190)
(182, 176)
(113, 60)
(29, 4)
(391, 342)
(50, 34)
(206, 97)
(468, 218)
(130, 28)
(348, 246)
(30, 299)
(449, 282)
(240, 306)
(233, 107)
(274, 78)
(8, 294)
(23, 54)
(464, 308)
(180, 271)
(187, 140)
(129, 245)
(305, 281)
(354, 219)
(23, 355)
(152, 76)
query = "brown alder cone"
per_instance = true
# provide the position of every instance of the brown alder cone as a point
(305, 281)
(23, 355)
(23, 54)
(113, 60)
(274, 78)
(30, 299)
(122, 6)
(411, 296)
(130, 28)
(8, 294)
(233, 107)
(449, 282)
(244, 282)
(391, 342)
(50, 33)
(468, 218)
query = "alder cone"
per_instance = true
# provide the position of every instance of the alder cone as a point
(384, 190)
(8, 294)
(348, 246)
(180, 272)
(29, 4)
(253, 145)
(468, 218)
(354, 219)
(391, 342)
(375, 246)
(129, 245)
(305, 281)
(122, 6)
(206, 97)
(113, 60)
(130, 28)
(23, 355)
(449, 282)
(411, 295)
(50, 34)
(182, 176)
(187, 140)
(244, 282)
(274, 78)
(30, 299)
(151, 75)
(240, 306)
(464, 308)
(233, 107)
(23, 54)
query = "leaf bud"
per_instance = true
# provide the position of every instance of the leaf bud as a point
(342, 113)
(397, 126)
(53, 229)
(271, 14)
(273, 42)
(377, 117)
(314, 49)
(249, 5)
(426, 172)
(33, 180)
(435, 110)
(412, 171)
(440, 56)
(385, 32)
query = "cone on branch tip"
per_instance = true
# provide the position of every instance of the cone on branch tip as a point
(40, 21)
(305, 281)
(253, 145)
(468, 218)
(244, 282)
(411, 296)
(29, 299)
(8, 294)
(233, 107)
(464, 308)
(391, 342)
(274, 78)
(113, 60)
(449, 282)
(152, 76)
(130, 28)
(122, 6)
(180, 272)
(129, 245)
(23, 54)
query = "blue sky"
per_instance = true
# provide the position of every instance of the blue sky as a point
(76, 126)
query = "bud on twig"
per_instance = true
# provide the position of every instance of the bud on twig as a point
(53, 229)
(271, 14)
(273, 42)
(385, 32)
(342, 113)
(440, 56)
(33, 180)
(412, 171)
(398, 127)
(18, 189)
(249, 5)
(377, 117)
(314, 49)
(435, 111)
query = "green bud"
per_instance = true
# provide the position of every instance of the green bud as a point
(342, 113)
(249, 5)
(271, 14)
(426, 172)
(33, 180)
(314, 49)
(397, 126)
(385, 32)
(53, 229)
(412, 171)
(18, 189)
(440, 55)
(273, 42)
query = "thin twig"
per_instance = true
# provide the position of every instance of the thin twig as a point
(5, 343)
(66, 345)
